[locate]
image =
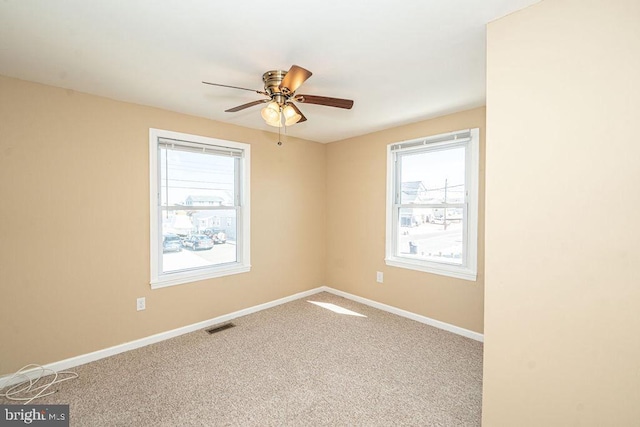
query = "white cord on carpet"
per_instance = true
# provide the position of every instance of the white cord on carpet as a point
(24, 390)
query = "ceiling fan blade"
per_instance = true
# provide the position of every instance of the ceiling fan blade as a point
(324, 100)
(294, 78)
(236, 87)
(247, 105)
(302, 117)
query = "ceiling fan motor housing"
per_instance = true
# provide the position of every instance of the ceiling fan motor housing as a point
(272, 80)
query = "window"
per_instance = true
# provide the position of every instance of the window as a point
(432, 204)
(195, 182)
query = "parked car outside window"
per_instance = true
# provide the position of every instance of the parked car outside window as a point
(171, 243)
(198, 241)
(218, 236)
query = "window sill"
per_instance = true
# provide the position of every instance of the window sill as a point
(179, 278)
(434, 268)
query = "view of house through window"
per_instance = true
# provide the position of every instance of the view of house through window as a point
(199, 197)
(432, 212)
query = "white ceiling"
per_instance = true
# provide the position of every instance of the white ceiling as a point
(400, 61)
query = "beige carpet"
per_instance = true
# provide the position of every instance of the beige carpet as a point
(297, 364)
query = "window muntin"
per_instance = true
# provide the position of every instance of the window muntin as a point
(432, 204)
(199, 194)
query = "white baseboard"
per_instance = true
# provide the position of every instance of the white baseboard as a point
(131, 345)
(409, 315)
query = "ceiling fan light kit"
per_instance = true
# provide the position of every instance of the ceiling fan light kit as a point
(271, 112)
(280, 89)
(291, 117)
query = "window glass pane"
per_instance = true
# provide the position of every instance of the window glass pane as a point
(430, 234)
(199, 195)
(433, 176)
(198, 238)
(196, 179)
(433, 210)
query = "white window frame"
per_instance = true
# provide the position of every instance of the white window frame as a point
(468, 138)
(243, 264)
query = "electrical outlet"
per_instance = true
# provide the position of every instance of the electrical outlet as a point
(141, 304)
(379, 277)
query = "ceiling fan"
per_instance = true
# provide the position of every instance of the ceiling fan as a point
(280, 89)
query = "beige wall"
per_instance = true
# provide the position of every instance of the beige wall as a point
(356, 188)
(74, 224)
(562, 244)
